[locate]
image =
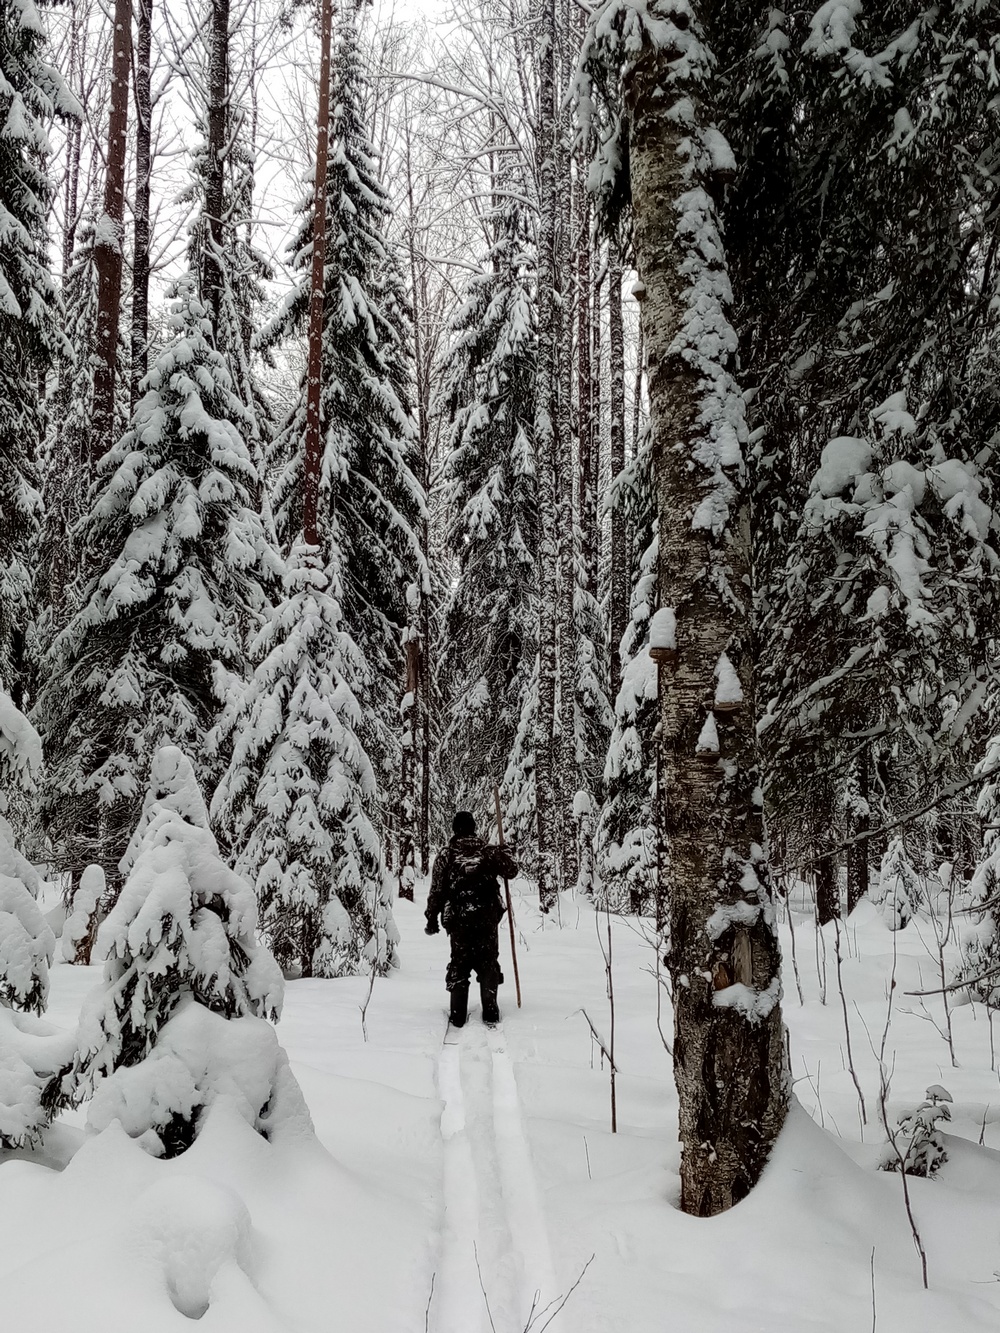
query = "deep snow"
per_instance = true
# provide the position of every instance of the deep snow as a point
(485, 1164)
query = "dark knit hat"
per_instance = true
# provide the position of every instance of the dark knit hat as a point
(464, 824)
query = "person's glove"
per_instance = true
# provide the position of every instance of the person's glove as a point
(431, 928)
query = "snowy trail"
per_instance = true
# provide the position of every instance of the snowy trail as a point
(494, 1235)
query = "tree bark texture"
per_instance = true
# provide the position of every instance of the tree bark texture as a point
(857, 856)
(313, 444)
(108, 255)
(618, 614)
(569, 771)
(546, 803)
(213, 276)
(143, 173)
(729, 1043)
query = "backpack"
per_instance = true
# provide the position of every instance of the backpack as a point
(473, 890)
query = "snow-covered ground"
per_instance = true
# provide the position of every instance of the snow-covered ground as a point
(470, 1185)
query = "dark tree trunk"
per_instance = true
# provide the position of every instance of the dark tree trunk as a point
(213, 274)
(143, 173)
(618, 617)
(313, 444)
(108, 256)
(827, 891)
(546, 802)
(857, 857)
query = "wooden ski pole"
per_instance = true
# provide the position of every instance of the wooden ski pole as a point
(510, 906)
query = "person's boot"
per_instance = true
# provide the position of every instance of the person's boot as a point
(491, 1010)
(459, 1005)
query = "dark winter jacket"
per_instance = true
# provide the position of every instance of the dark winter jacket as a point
(465, 888)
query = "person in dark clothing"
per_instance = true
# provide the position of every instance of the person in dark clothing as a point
(465, 895)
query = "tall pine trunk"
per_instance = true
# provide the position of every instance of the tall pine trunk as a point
(569, 777)
(546, 803)
(313, 443)
(618, 617)
(729, 1053)
(218, 124)
(143, 173)
(108, 254)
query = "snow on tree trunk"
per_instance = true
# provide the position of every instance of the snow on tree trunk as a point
(80, 927)
(729, 1052)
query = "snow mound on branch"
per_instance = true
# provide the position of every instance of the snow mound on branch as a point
(79, 923)
(20, 747)
(32, 1054)
(201, 1056)
(843, 461)
(26, 941)
(172, 786)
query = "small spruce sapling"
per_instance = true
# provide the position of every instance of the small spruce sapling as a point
(917, 1147)
(898, 886)
(182, 957)
(32, 1054)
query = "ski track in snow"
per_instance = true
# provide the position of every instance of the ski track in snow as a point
(493, 1234)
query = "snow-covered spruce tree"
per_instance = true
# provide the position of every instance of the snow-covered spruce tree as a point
(724, 958)
(179, 554)
(898, 892)
(31, 93)
(32, 1054)
(369, 498)
(487, 388)
(230, 270)
(65, 455)
(626, 835)
(297, 800)
(891, 587)
(179, 1017)
(831, 326)
(980, 898)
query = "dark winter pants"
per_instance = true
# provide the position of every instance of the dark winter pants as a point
(474, 951)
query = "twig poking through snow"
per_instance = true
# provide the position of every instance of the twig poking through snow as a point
(527, 1327)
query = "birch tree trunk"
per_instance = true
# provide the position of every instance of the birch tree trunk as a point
(546, 805)
(108, 255)
(729, 1050)
(143, 173)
